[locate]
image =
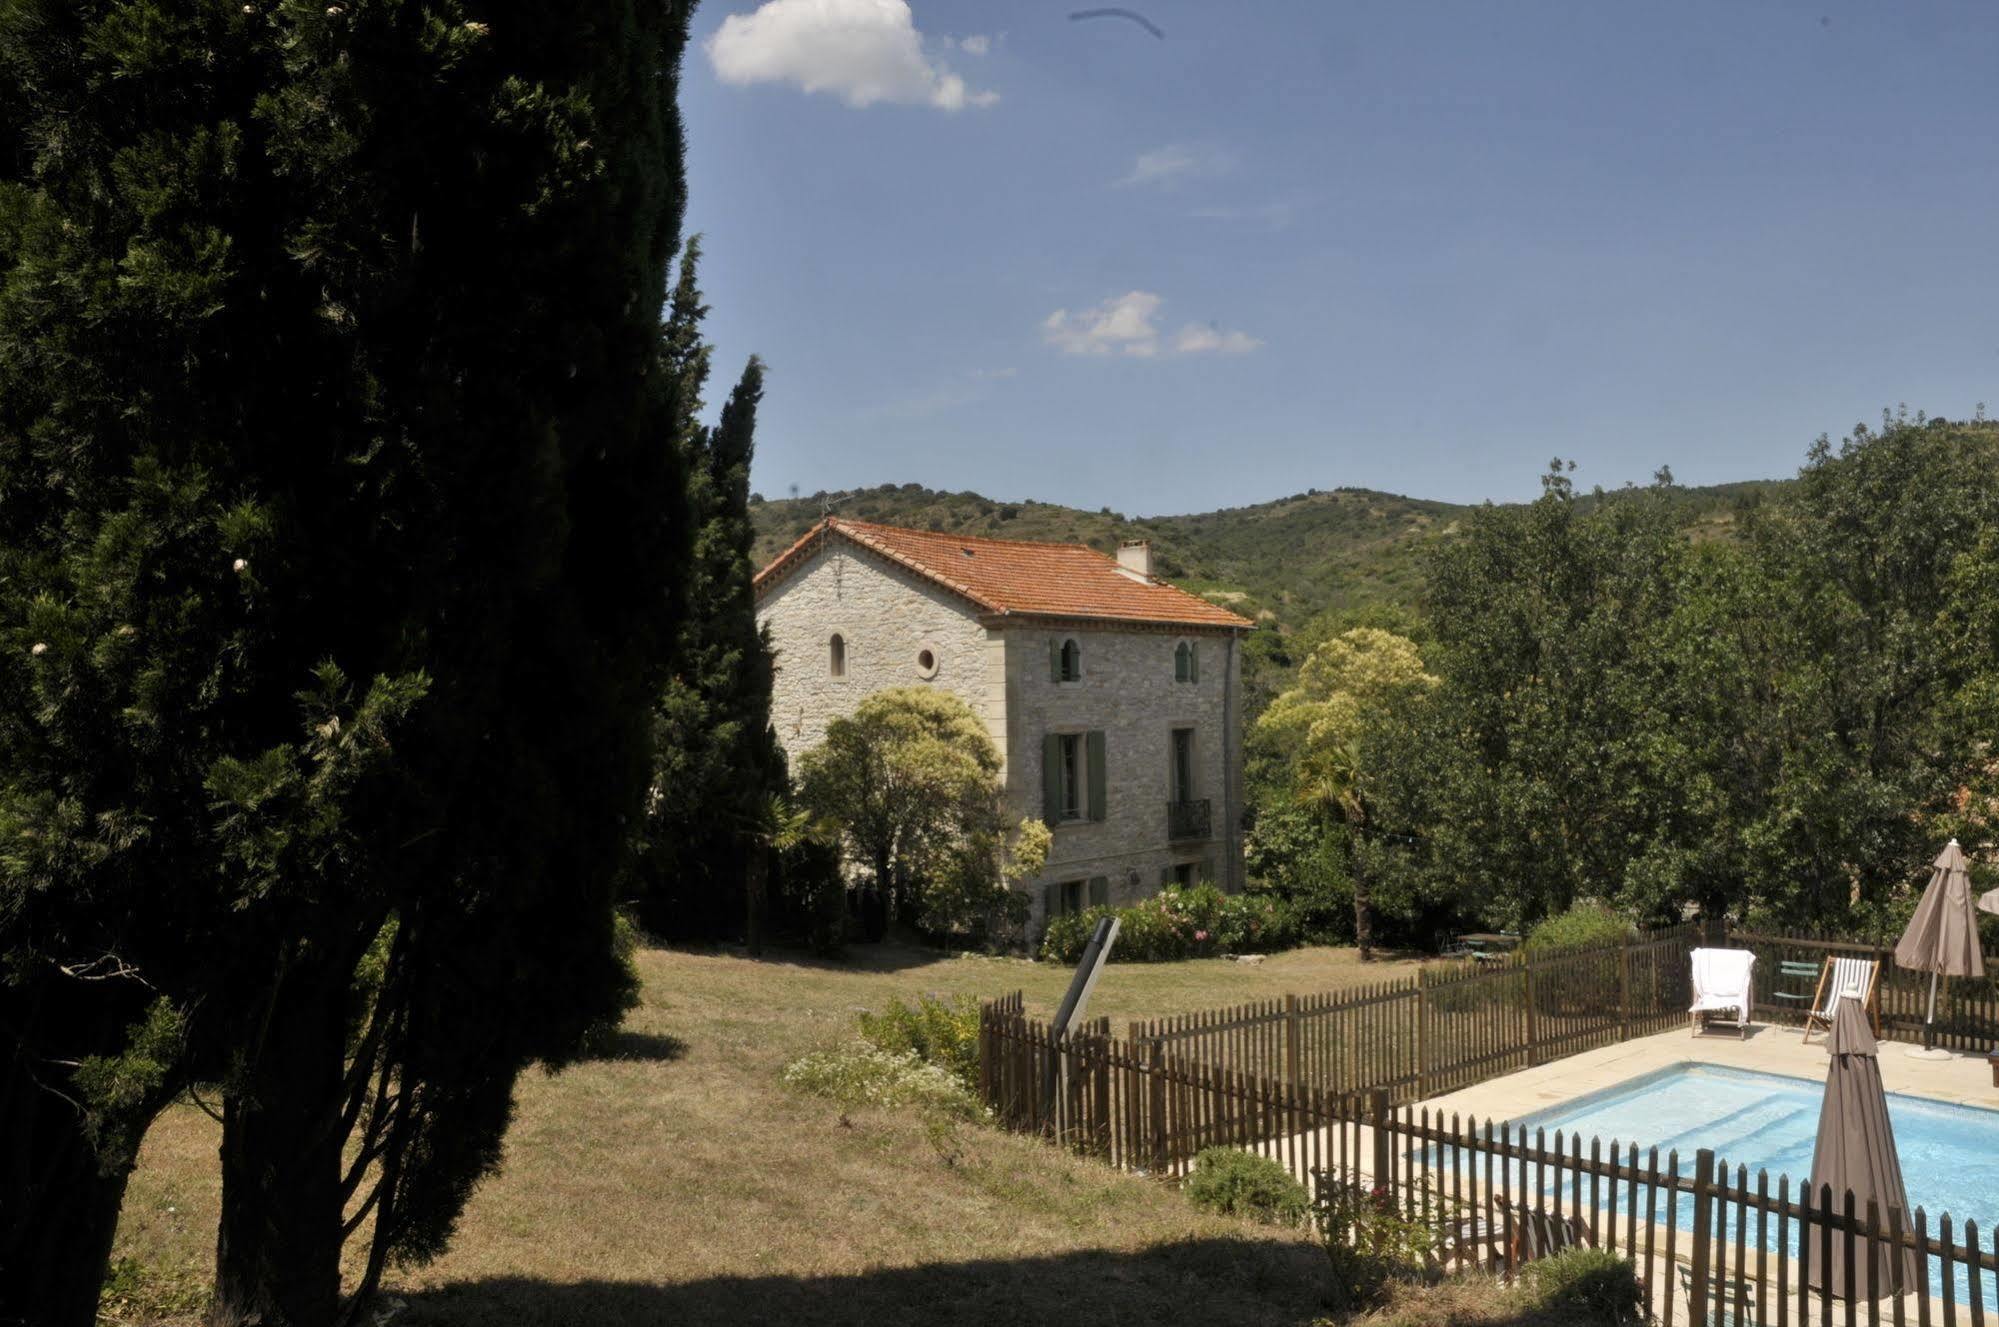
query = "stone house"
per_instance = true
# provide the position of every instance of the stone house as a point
(1112, 696)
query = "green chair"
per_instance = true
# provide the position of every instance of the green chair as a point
(1804, 977)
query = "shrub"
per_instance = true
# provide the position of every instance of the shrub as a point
(860, 1074)
(940, 1032)
(1593, 1285)
(1370, 1244)
(1585, 926)
(1256, 922)
(1242, 1184)
(626, 937)
(1176, 923)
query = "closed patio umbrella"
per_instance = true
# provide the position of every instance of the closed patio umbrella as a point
(1856, 1151)
(1942, 938)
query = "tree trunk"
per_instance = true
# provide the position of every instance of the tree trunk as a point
(1363, 909)
(61, 1211)
(277, 1252)
(756, 882)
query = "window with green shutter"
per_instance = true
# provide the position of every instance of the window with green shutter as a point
(1095, 764)
(1186, 662)
(1068, 781)
(1100, 891)
(1065, 660)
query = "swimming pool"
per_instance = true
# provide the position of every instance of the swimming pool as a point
(1950, 1154)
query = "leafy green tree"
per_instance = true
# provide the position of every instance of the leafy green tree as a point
(912, 781)
(705, 866)
(1353, 681)
(1544, 616)
(1877, 563)
(340, 526)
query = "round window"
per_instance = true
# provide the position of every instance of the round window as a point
(926, 662)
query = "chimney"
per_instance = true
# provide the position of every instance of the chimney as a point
(1135, 555)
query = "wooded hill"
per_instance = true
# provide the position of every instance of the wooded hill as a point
(1288, 560)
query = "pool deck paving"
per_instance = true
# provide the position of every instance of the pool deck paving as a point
(1964, 1080)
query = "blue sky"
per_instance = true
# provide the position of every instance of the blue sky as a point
(1413, 246)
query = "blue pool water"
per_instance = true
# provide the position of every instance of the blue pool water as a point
(1950, 1154)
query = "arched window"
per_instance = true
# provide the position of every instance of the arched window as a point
(1186, 663)
(1065, 660)
(837, 655)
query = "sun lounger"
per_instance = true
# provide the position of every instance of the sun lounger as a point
(1722, 982)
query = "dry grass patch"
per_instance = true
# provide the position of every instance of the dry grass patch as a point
(680, 1180)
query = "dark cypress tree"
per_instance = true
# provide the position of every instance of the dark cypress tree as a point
(341, 527)
(716, 763)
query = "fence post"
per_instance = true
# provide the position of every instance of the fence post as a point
(1384, 1157)
(1624, 984)
(1156, 1093)
(1291, 1039)
(1527, 984)
(1697, 1294)
(1422, 1043)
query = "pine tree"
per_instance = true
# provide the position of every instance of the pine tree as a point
(341, 528)
(717, 761)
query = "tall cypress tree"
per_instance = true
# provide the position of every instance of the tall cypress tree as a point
(341, 525)
(716, 759)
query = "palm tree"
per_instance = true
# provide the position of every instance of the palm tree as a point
(1329, 783)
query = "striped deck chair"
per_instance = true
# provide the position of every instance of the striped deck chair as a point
(1841, 977)
(1731, 1301)
(1537, 1234)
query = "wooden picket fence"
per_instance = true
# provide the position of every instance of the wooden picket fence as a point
(1711, 1244)
(1449, 1026)
(1324, 1084)
(1967, 1010)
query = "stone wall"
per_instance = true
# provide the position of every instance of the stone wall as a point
(886, 616)
(1127, 690)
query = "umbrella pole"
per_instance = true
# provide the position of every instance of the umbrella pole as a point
(1930, 1018)
(1928, 1050)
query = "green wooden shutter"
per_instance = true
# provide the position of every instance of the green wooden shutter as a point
(1165, 876)
(1193, 662)
(1100, 891)
(1054, 660)
(1051, 778)
(1049, 902)
(1095, 760)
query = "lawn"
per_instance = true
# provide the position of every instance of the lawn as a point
(680, 1181)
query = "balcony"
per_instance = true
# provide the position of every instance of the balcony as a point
(1187, 822)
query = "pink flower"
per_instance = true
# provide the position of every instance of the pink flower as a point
(1200, 935)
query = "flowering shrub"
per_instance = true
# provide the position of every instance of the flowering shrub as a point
(860, 1074)
(1369, 1242)
(940, 1032)
(1176, 923)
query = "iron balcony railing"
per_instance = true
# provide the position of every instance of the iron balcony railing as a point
(1187, 820)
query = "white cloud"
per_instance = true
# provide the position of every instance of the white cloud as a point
(1208, 339)
(1122, 324)
(1128, 324)
(861, 51)
(976, 44)
(1175, 162)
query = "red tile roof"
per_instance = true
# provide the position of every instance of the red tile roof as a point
(1011, 577)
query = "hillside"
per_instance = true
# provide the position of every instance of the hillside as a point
(1284, 561)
